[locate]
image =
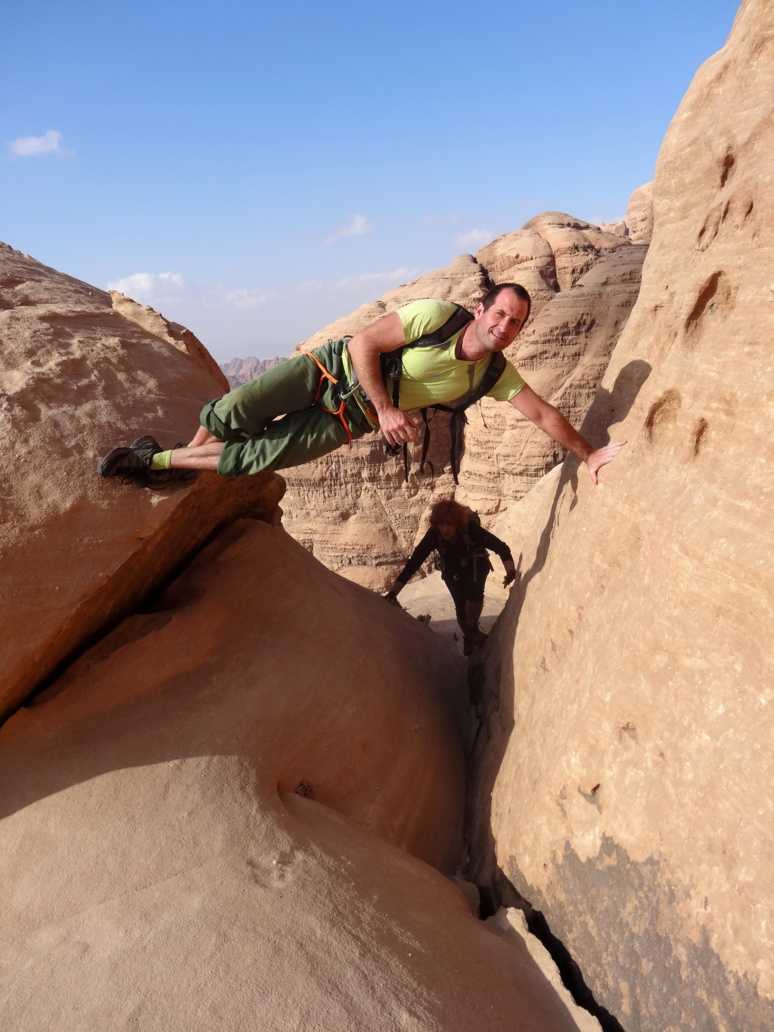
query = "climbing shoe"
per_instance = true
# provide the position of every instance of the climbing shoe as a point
(132, 464)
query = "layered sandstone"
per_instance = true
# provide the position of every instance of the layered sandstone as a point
(355, 511)
(242, 370)
(626, 768)
(82, 371)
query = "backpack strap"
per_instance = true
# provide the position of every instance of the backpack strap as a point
(459, 420)
(392, 361)
(424, 461)
(392, 368)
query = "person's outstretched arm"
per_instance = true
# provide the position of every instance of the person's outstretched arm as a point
(551, 421)
(415, 560)
(386, 334)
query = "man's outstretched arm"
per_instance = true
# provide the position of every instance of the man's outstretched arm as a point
(386, 334)
(551, 421)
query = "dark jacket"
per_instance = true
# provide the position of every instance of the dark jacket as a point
(458, 555)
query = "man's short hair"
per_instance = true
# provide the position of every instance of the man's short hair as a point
(489, 298)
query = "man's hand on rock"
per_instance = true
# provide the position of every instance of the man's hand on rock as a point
(398, 427)
(600, 457)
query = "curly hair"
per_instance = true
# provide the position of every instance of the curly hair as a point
(449, 511)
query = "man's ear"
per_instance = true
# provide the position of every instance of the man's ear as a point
(479, 310)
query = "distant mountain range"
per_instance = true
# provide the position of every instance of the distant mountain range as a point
(242, 370)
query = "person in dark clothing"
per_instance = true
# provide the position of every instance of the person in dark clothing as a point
(462, 547)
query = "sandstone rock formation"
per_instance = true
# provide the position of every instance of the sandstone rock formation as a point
(638, 223)
(225, 812)
(353, 509)
(626, 765)
(639, 215)
(242, 370)
(80, 372)
(233, 782)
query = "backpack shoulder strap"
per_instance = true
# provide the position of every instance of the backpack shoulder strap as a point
(458, 420)
(460, 317)
(392, 361)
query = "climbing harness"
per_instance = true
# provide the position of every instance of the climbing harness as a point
(343, 396)
(392, 368)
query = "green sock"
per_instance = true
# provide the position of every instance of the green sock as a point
(161, 460)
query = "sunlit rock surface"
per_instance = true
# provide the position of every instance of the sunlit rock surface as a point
(82, 371)
(225, 814)
(354, 509)
(626, 765)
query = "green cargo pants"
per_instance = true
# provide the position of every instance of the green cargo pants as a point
(247, 420)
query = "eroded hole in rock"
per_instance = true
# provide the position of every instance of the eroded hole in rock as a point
(662, 413)
(727, 167)
(706, 295)
(700, 429)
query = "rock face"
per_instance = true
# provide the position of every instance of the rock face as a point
(353, 509)
(82, 371)
(639, 215)
(626, 766)
(233, 783)
(242, 370)
(225, 812)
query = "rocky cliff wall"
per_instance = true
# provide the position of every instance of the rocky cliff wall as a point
(354, 510)
(626, 765)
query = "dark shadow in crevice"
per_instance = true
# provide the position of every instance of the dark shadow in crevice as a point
(503, 894)
(492, 691)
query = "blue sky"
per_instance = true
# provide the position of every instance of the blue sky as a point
(255, 171)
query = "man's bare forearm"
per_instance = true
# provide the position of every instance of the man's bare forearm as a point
(559, 429)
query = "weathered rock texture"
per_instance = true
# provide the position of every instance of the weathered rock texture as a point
(218, 817)
(626, 782)
(353, 510)
(242, 370)
(80, 372)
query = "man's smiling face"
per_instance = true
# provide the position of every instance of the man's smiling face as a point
(497, 326)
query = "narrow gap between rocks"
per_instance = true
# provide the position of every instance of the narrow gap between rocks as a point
(500, 893)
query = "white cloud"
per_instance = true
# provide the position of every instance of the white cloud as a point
(367, 279)
(356, 225)
(475, 238)
(257, 320)
(48, 143)
(150, 288)
(310, 286)
(249, 299)
(401, 275)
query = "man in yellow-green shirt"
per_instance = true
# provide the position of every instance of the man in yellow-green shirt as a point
(314, 403)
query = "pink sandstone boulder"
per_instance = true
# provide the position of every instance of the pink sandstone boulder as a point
(626, 771)
(80, 372)
(234, 811)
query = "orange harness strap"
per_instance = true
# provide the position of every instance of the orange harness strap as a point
(339, 412)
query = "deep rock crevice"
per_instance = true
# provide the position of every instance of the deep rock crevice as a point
(496, 891)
